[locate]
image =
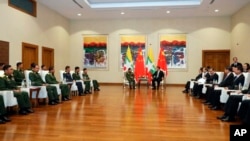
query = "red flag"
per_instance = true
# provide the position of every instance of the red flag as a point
(139, 65)
(162, 63)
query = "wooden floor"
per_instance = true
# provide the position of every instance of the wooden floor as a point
(117, 114)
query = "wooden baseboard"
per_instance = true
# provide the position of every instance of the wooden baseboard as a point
(121, 84)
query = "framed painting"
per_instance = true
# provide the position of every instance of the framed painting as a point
(175, 50)
(95, 51)
(134, 42)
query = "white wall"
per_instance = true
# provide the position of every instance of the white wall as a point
(52, 30)
(47, 29)
(241, 34)
(203, 33)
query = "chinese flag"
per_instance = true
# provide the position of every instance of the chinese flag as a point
(162, 61)
(139, 65)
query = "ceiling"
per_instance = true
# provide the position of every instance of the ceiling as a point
(134, 9)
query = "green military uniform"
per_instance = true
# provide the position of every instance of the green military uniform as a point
(8, 83)
(36, 80)
(2, 106)
(131, 79)
(76, 76)
(85, 77)
(51, 79)
(19, 76)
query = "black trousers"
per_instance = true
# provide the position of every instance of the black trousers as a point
(232, 105)
(158, 82)
(215, 98)
(79, 87)
(187, 86)
(197, 89)
(209, 93)
(244, 112)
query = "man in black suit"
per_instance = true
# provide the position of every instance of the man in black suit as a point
(157, 77)
(68, 78)
(187, 86)
(238, 79)
(197, 89)
(213, 96)
(212, 78)
(235, 63)
(233, 101)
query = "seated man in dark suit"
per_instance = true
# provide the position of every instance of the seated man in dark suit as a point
(239, 79)
(232, 103)
(187, 86)
(213, 96)
(157, 77)
(197, 89)
(68, 78)
(77, 77)
(244, 111)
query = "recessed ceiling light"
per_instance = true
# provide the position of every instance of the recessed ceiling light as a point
(216, 10)
(79, 14)
(167, 12)
(122, 13)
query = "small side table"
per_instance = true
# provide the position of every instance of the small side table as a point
(37, 90)
(142, 79)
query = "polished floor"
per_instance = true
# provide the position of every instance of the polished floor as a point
(118, 114)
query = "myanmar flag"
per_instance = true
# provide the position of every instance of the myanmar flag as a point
(150, 67)
(128, 61)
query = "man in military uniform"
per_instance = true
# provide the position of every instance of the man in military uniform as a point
(131, 78)
(19, 73)
(76, 76)
(68, 78)
(3, 117)
(86, 78)
(10, 84)
(36, 80)
(51, 79)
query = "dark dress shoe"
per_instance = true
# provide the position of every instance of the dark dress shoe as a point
(56, 101)
(23, 112)
(207, 103)
(2, 121)
(221, 117)
(210, 106)
(52, 103)
(65, 99)
(184, 91)
(6, 119)
(198, 97)
(215, 108)
(228, 119)
(29, 111)
(153, 88)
